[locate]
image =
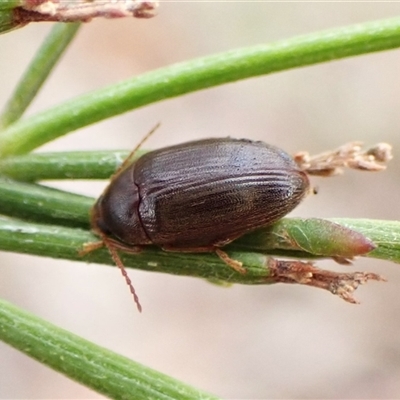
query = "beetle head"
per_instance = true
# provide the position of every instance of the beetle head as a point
(116, 212)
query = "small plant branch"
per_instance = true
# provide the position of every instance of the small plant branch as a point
(37, 72)
(44, 204)
(82, 10)
(315, 237)
(102, 164)
(7, 20)
(301, 238)
(309, 237)
(384, 234)
(10, 4)
(207, 72)
(100, 369)
(66, 243)
(290, 237)
(64, 165)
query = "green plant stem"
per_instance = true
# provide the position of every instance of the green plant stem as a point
(7, 16)
(7, 21)
(290, 237)
(100, 369)
(37, 72)
(10, 4)
(281, 239)
(385, 234)
(64, 165)
(202, 73)
(62, 242)
(317, 239)
(44, 204)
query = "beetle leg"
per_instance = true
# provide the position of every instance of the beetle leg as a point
(126, 248)
(89, 247)
(92, 246)
(236, 265)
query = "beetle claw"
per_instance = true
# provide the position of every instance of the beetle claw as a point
(235, 264)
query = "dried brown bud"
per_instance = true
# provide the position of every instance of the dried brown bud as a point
(305, 273)
(82, 10)
(382, 152)
(350, 155)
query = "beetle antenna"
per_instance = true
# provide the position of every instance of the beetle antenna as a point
(132, 153)
(115, 256)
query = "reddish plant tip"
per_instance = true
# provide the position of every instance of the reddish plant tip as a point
(329, 239)
(359, 244)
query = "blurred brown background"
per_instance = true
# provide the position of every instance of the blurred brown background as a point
(243, 342)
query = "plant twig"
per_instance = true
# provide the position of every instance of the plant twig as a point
(64, 165)
(43, 204)
(289, 237)
(7, 20)
(102, 164)
(198, 74)
(66, 243)
(98, 368)
(62, 242)
(82, 10)
(37, 72)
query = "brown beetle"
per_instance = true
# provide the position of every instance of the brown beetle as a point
(197, 197)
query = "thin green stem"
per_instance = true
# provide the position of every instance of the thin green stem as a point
(7, 17)
(199, 74)
(10, 4)
(319, 238)
(385, 234)
(44, 204)
(66, 243)
(290, 237)
(64, 165)
(260, 269)
(37, 72)
(7, 22)
(102, 370)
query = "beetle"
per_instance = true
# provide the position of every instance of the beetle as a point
(197, 197)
